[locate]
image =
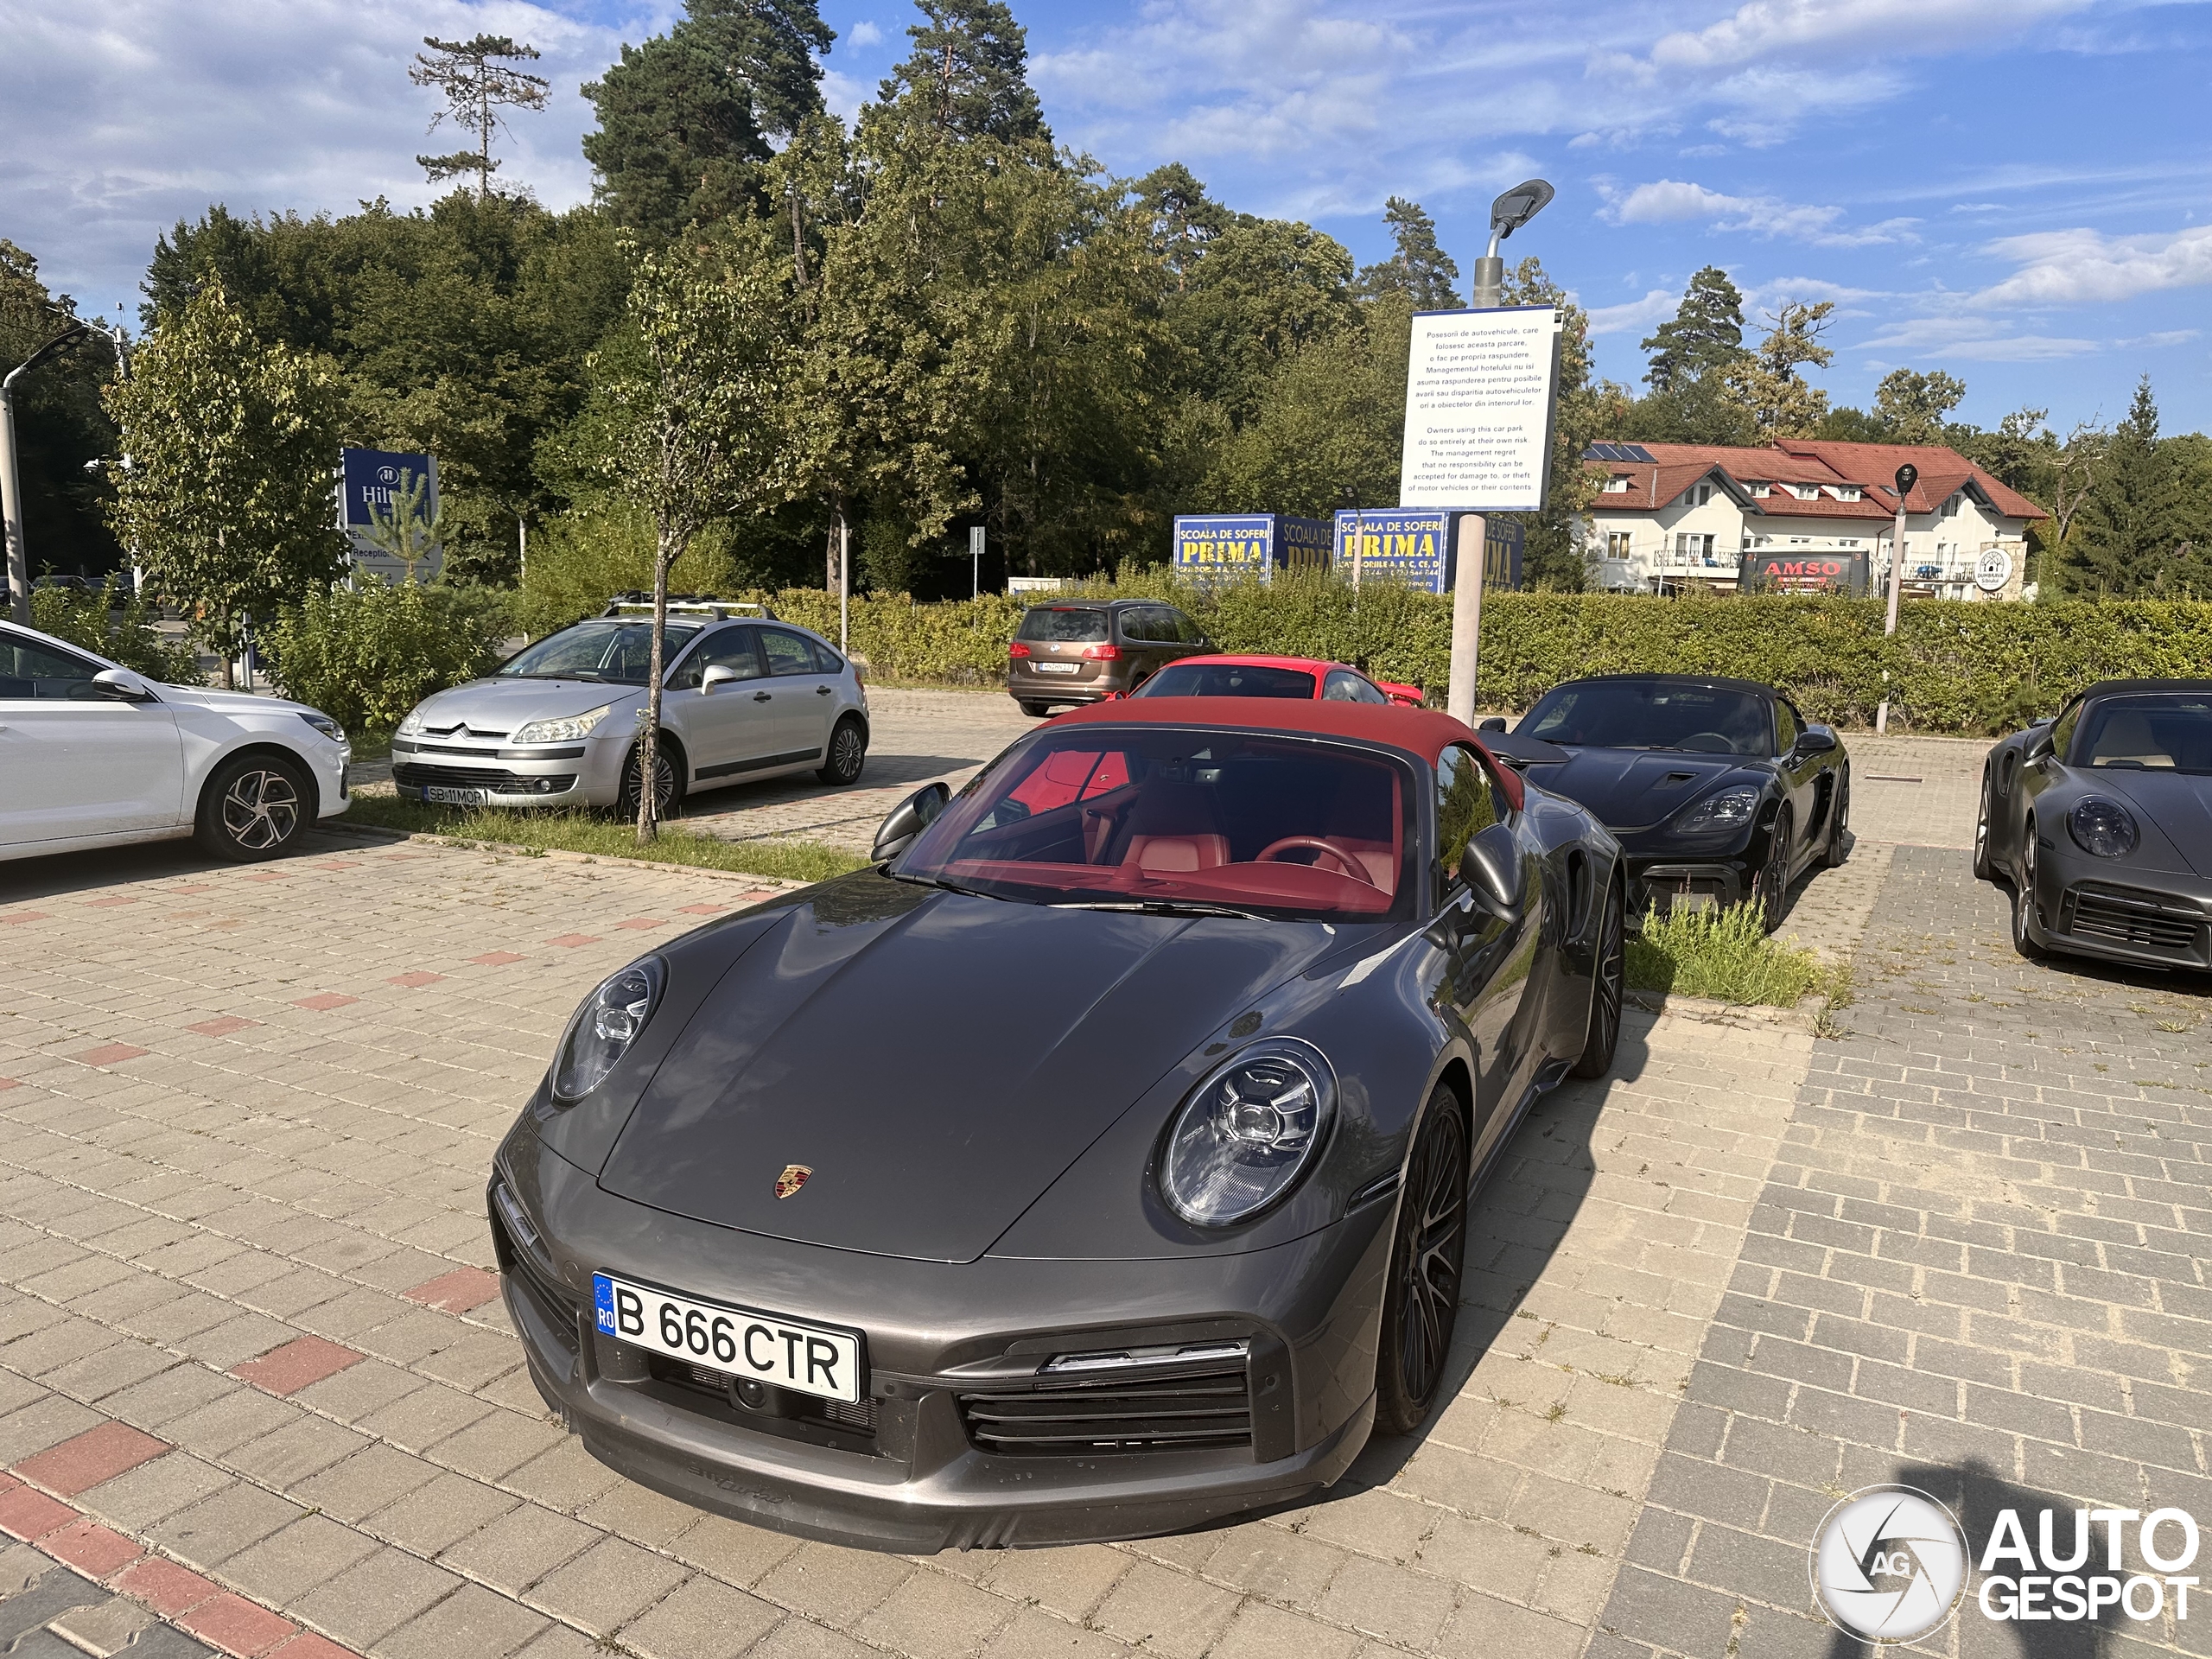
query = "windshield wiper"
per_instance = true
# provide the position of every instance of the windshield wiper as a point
(939, 881)
(1162, 907)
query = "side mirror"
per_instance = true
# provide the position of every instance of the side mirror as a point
(2038, 744)
(1492, 868)
(122, 686)
(1495, 723)
(720, 674)
(1816, 740)
(908, 819)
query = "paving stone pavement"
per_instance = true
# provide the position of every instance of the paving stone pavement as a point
(1980, 1264)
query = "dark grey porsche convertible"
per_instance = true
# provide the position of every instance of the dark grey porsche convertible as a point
(2101, 821)
(1720, 789)
(1096, 1164)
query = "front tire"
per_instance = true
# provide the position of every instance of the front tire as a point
(1421, 1306)
(255, 806)
(1984, 867)
(1608, 985)
(847, 754)
(1837, 847)
(1773, 887)
(668, 781)
(2024, 899)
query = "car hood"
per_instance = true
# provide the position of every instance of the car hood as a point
(936, 1060)
(1629, 790)
(502, 705)
(233, 703)
(2178, 804)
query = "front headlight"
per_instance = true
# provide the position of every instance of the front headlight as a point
(2102, 826)
(323, 723)
(1725, 808)
(561, 731)
(1248, 1132)
(602, 1031)
(412, 725)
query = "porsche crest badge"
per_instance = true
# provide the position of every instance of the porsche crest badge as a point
(792, 1178)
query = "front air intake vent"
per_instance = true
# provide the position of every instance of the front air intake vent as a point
(1092, 1415)
(2133, 919)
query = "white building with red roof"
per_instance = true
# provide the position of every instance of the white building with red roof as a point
(1671, 517)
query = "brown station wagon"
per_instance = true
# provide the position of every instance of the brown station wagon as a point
(1085, 650)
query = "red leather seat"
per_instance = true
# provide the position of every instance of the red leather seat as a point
(1168, 855)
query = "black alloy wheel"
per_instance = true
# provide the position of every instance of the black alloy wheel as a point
(2024, 898)
(1420, 1304)
(1608, 983)
(847, 753)
(1984, 869)
(1839, 848)
(255, 806)
(667, 787)
(1773, 885)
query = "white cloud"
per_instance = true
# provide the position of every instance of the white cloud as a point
(1637, 315)
(1830, 28)
(1972, 340)
(1667, 201)
(864, 33)
(2079, 267)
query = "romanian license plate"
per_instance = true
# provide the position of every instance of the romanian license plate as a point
(453, 797)
(1056, 668)
(796, 1354)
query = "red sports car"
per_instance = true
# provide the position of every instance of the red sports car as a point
(1295, 678)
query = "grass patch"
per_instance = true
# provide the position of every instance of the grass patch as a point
(1724, 954)
(582, 832)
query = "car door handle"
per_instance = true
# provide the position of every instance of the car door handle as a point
(761, 696)
(825, 691)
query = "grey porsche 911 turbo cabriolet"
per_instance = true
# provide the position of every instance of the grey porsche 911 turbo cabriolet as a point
(1096, 1164)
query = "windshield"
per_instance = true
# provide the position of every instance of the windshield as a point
(615, 649)
(1138, 819)
(1226, 680)
(1066, 623)
(2164, 733)
(1651, 715)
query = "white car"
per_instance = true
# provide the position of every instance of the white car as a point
(93, 754)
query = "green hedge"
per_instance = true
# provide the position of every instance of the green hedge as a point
(367, 655)
(1954, 666)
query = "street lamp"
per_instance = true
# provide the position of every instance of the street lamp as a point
(1507, 214)
(11, 485)
(1907, 476)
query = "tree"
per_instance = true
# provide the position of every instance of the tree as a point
(692, 429)
(968, 75)
(1265, 289)
(1693, 409)
(227, 500)
(1554, 556)
(1183, 218)
(685, 120)
(476, 86)
(2131, 520)
(61, 432)
(1420, 270)
(1915, 406)
(1706, 335)
(2075, 476)
(1769, 385)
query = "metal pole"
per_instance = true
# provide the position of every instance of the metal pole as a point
(11, 483)
(1897, 589)
(1466, 621)
(1490, 278)
(845, 586)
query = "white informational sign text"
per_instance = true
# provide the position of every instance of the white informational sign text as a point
(1481, 390)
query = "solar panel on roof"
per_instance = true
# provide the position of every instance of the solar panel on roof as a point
(1633, 452)
(1617, 452)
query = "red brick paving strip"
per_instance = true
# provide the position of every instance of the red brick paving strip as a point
(570, 941)
(292, 1367)
(415, 981)
(92, 1549)
(221, 1026)
(166, 1587)
(642, 921)
(325, 1002)
(236, 1625)
(24, 916)
(496, 959)
(110, 1054)
(109, 903)
(29, 1516)
(702, 910)
(10, 1083)
(456, 1292)
(83, 1461)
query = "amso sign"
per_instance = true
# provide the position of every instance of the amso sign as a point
(1841, 572)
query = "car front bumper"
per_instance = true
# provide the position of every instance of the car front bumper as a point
(2112, 909)
(569, 774)
(906, 1470)
(1663, 883)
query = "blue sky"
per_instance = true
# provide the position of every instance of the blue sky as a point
(2017, 191)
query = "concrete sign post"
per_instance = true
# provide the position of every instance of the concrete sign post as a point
(1481, 394)
(975, 558)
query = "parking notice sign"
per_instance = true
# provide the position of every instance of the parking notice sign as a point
(1481, 390)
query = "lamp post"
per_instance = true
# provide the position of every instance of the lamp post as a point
(11, 483)
(1507, 214)
(1907, 476)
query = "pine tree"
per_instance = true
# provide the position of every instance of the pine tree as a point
(2128, 528)
(1915, 406)
(476, 87)
(1420, 270)
(1184, 218)
(1707, 332)
(1769, 383)
(969, 74)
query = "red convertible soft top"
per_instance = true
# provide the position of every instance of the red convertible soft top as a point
(1423, 732)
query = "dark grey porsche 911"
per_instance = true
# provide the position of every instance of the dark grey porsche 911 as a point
(1096, 1164)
